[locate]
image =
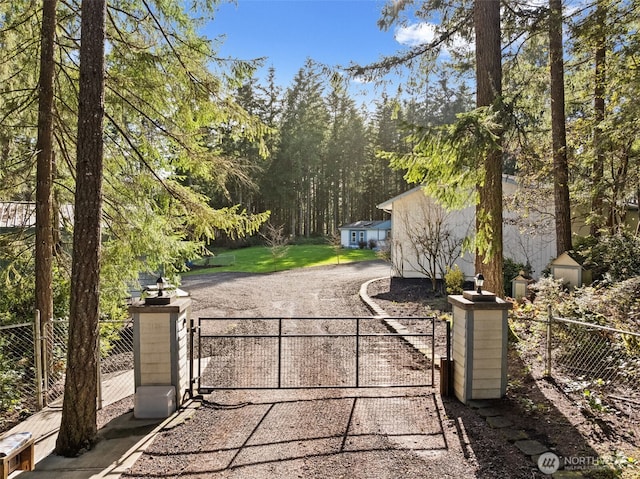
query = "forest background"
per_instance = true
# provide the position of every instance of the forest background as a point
(197, 149)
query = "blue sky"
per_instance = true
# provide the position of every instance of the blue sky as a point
(287, 32)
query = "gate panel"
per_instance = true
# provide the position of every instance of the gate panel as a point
(266, 353)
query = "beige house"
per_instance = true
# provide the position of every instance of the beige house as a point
(427, 239)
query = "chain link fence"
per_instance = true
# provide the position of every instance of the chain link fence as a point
(18, 385)
(595, 362)
(595, 365)
(32, 366)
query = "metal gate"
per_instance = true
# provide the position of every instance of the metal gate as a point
(288, 353)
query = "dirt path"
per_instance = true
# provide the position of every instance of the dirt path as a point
(323, 433)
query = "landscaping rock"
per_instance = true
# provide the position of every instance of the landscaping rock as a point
(499, 422)
(531, 447)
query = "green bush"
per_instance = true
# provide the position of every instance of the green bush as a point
(384, 253)
(611, 257)
(9, 380)
(454, 280)
(17, 283)
(549, 292)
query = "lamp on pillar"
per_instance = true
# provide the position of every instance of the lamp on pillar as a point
(479, 280)
(165, 294)
(161, 283)
(478, 294)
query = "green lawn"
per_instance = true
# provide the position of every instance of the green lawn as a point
(258, 259)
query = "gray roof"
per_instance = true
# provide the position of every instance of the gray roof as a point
(368, 225)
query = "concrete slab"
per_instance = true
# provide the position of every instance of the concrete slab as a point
(499, 422)
(121, 442)
(531, 447)
(513, 435)
(123, 439)
(115, 439)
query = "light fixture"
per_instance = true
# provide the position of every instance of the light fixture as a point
(479, 279)
(161, 284)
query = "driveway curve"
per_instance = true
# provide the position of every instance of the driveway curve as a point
(329, 291)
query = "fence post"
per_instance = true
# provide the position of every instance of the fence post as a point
(37, 350)
(358, 352)
(99, 372)
(279, 353)
(192, 329)
(45, 342)
(547, 371)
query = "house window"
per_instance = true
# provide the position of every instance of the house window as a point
(361, 236)
(353, 237)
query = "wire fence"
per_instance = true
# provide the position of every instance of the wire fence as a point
(18, 391)
(33, 364)
(594, 364)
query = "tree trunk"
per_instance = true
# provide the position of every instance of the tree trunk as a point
(558, 130)
(78, 429)
(44, 148)
(597, 174)
(489, 261)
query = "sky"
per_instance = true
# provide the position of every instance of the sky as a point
(287, 32)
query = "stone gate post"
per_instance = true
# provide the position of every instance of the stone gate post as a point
(479, 338)
(160, 356)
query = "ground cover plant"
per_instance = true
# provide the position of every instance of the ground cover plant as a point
(260, 259)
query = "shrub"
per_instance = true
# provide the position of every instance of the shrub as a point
(9, 379)
(372, 244)
(612, 257)
(548, 291)
(384, 253)
(454, 280)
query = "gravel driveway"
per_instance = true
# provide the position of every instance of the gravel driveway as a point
(308, 292)
(323, 433)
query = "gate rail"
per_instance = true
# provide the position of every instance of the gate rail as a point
(292, 353)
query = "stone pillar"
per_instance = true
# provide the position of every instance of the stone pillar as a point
(479, 337)
(161, 367)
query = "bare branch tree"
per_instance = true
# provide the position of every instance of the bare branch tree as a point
(335, 241)
(277, 242)
(433, 246)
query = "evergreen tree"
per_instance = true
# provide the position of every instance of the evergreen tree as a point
(156, 131)
(302, 146)
(558, 130)
(78, 425)
(44, 246)
(489, 256)
(345, 159)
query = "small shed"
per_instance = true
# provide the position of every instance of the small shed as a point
(569, 268)
(520, 285)
(365, 234)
